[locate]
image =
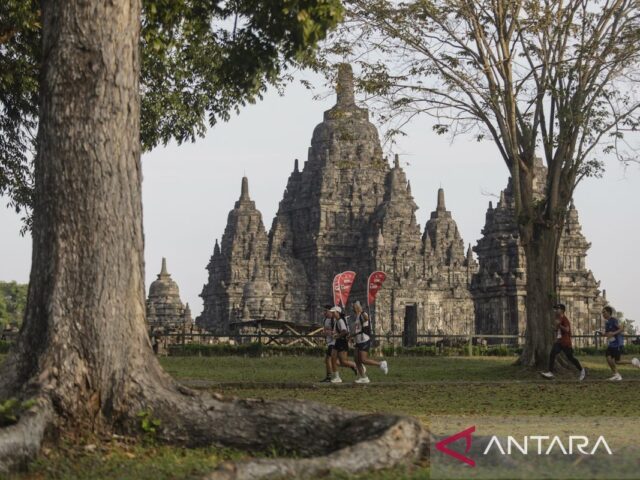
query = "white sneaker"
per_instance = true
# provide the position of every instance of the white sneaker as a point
(336, 379)
(583, 373)
(547, 374)
(616, 378)
(635, 362)
(384, 367)
(363, 380)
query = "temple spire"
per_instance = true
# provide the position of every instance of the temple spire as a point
(396, 161)
(295, 166)
(216, 248)
(244, 192)
(441, 205)
(344, 86)
(163, 270)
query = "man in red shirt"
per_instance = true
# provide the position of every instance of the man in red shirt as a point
(563, 343)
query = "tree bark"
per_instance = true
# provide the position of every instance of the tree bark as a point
(83, 350)
(541, 254)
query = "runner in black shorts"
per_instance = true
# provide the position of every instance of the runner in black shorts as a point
(613, 332)
(363, 344)
(339, 354)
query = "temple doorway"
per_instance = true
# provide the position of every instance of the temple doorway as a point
(410, 333)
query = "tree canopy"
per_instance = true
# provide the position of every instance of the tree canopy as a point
(556, 79)
(201, 60)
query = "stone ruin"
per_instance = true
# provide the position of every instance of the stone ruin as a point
(165, 310)
(348, 209)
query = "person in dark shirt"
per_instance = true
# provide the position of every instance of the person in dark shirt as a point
(328, 325)
(563, 343)
(613, 333)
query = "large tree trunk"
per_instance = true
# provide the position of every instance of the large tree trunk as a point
(541, 247)
(540, 222)
(83, 333)
(83, 352)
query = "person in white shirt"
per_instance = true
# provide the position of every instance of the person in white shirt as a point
(362, 327)
(340, 352)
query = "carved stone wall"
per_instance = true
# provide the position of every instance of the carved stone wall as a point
(348, 209)
(499, 288)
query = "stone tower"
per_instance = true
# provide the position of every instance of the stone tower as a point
(234, 263)
(499, 288)
(345, 209)
(164, 307)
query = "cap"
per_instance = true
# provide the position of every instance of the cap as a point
(336, 309)
(560, 306)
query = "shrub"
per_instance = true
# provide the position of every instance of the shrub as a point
(253, 349)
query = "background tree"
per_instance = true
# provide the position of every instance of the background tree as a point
(555, 78)
(201, 60)
(19, 64)
(83, 354)
(13, 299)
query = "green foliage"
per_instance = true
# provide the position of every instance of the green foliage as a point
(11, 409)
(19, 66)
(201, 60)
(13, 301)
(149, 425)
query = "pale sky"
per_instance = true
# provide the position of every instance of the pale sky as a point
(188, 191)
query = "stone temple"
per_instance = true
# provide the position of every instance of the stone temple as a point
(348, 209)
(499, 287)
(164, 307)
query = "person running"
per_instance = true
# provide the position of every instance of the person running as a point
(341, 348)
(563, 343)
(613, 332)
(328, 329)
(362, 327)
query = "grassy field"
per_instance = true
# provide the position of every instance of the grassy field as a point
(417, 386)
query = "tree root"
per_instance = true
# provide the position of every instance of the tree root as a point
(328, 438)
(402, 441)
(313, 438)
(21, 442)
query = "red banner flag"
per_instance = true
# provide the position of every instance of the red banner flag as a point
(376, 279)
(336, 289)
(346, 282)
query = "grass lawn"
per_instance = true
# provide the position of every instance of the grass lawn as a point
(418, 386)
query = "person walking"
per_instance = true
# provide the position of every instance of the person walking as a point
(563, 343)
(362, 327)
